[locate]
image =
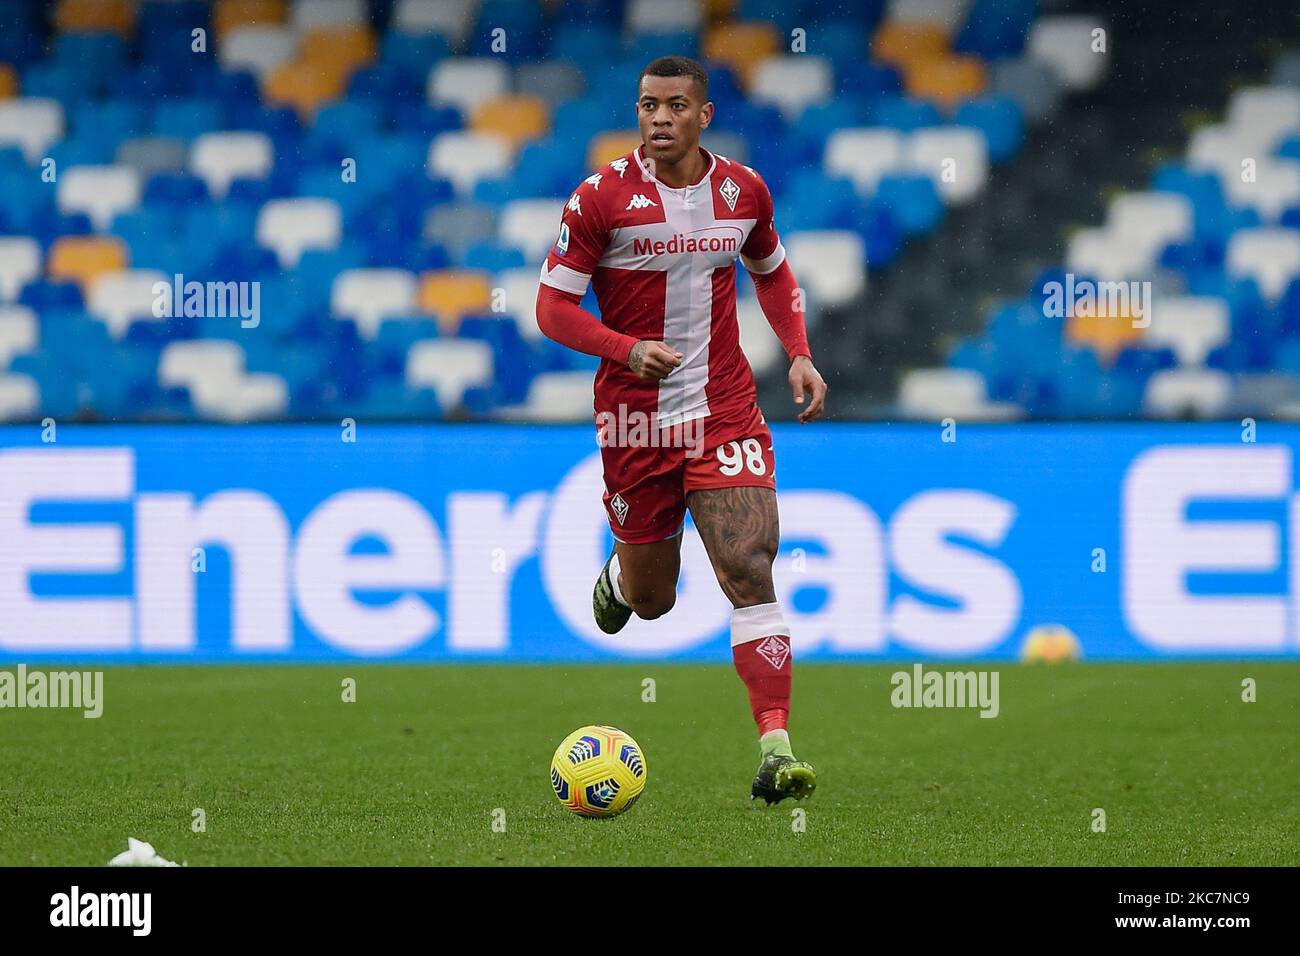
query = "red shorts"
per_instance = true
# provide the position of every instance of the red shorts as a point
(647, 479)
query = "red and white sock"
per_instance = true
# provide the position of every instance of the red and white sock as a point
(760, 648)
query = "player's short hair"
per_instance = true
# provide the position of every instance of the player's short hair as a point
(679, 66)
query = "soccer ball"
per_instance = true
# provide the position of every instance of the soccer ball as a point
(598, 771)
(1050, 644)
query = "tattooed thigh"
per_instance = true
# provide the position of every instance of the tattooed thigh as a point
(741, 533)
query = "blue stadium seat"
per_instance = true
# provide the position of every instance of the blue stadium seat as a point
(995, 29)
(913, 201)
(1001, 121)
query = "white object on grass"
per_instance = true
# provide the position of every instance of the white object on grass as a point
(139, 853)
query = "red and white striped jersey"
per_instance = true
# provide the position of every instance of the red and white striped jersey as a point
(662, 263)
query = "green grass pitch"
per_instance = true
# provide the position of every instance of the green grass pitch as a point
(411, 773)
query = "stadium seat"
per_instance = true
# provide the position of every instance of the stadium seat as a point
(449, 367)
(291, 226)
(150, 155)
(19, 332)
(1103, 255)
(368, 296)
(204, 366)
(19, 397)
(792, 83)
(946, 15)
(519, 298)
(260, 48)
(451, 293)
(1149, 221)
(230, 14)
(744, 47)
(465, 158)
(20, 263)
(31, 123)
(954, 157)
(864, 155)
(303, 87)
(1188, 392)
(8, 81)
(1270, 256)
(831, 265)
(81, 259)
(947, 81)
(1264, 115)
(901, 43)
(467, 82)
(664, 16)
(221, 158)
(518, 118)
(1034, 87)
(311, 14)
(1064, 44)
(560, 396)
(531, 225)
(933, 394)
(101, 192)
(94, 16)
(1274, 188)
(452, 19)
(120, 298)
(1190, 325)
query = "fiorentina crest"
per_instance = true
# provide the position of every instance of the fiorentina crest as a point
(775, 650)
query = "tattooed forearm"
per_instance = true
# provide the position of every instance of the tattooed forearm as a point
(741, 533)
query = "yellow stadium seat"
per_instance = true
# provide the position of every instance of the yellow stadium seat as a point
(94, 16)
(452, 293)
(903, 43)
(606, 147)
(742, 46)
(82, 259)
(718, 11)
(229, 14)
(518, 118)
(947, 81)
(303, 86)
(342, 48)
(1105, 333)
(8, 81)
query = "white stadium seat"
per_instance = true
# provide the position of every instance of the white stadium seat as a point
(19, 332)
(221, 158)
(664, 16)
(1190, 325)
(531, 225)
(120, 298)
(955, 157)
(309, 14)
(1064, 44)
(20, 263)
(19, 397)
(757, 340)
(1265, 114)
(465, 158)
(258, 396)
(793, 83)
(830, 264)
(449, 367)
(1100, 254)
(258, 49)
(210, 368)
(31, 124)
(864, 155)
(101, 192)
(291, 226)
(1270, 256)
(1275, 188)
(520, 288)
(1183, 392)
(450, 18)
(368, 296)
(465, 82)
(933, 394)
(1221, 150)
(947, 14)
(560, 397)
(1151, 221)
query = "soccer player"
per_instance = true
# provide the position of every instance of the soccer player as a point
(657, 233)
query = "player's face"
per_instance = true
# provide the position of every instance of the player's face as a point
(671, 114)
